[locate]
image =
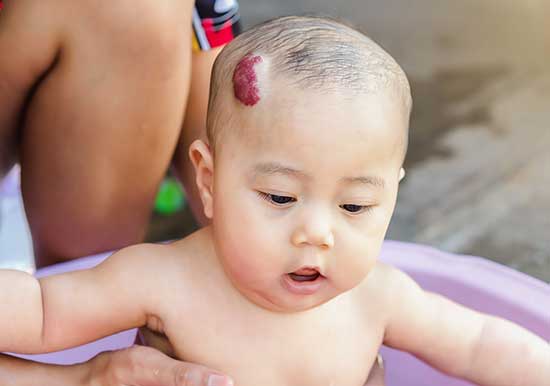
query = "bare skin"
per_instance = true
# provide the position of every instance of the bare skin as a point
(358, 321)
(97, 69)
(93, 110)
(136, 366)
(84, 76)
(228, 289)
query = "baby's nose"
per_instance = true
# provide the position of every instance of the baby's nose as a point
(315, 231)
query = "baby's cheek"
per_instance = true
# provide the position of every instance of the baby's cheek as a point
(241, 269)
(248, 247)
(379, 220)
(354, 265)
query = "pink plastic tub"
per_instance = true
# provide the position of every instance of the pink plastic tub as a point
(475, 282)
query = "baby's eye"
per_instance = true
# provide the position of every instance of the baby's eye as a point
(355, 209)
(277, 199)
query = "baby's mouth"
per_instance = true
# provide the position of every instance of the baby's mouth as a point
(304, 281)
(304, 274)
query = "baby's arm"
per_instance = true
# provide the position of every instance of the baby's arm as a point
(483, 349)
(70, 309)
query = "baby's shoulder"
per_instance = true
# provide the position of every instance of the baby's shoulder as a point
(158, 262)
(144, 258)
(168, 271)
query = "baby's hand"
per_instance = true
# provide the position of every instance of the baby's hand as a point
(376, 376)
(146, 366)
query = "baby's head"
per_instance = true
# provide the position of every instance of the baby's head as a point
(307, 129)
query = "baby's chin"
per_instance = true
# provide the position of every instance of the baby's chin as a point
(288, 307)
(284, 302)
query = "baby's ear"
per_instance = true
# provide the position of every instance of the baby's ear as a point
(202, 160)
(401, 174)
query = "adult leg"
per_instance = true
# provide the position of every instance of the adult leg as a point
(23, 60)
(101, 127)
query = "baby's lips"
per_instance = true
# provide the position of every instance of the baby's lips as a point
(303, 278)
(306, 271)
(304, 274)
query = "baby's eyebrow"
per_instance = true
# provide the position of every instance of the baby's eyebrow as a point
(366, 180)
(271, 168)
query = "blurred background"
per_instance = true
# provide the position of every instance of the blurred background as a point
(478, 167)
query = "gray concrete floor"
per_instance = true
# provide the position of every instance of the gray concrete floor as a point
(478, 168)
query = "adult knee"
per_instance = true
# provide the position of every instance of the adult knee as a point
(144, 31)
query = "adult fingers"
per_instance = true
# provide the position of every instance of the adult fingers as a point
(145, 366)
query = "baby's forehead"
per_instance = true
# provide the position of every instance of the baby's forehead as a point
(303, 117)
(263, 95)
(275, 98)
(258, 80)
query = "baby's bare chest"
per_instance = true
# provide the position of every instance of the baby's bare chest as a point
(331, 346)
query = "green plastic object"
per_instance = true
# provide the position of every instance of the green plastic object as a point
(170, 197)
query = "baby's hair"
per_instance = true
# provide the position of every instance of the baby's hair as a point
(311, 53)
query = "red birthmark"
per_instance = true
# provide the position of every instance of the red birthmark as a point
(245, 81)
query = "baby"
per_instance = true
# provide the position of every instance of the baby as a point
(307, 132)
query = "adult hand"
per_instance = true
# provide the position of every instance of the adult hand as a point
(146, 366)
